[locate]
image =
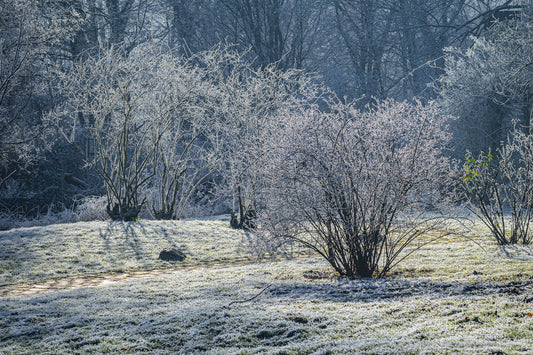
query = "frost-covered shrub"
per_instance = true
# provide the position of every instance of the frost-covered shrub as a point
(138, 119)
(498, 188)
(356, 186)
(490, 84)
(246, 98)
(54, 214)
(91, 208)
(8, 220)
(151, 122)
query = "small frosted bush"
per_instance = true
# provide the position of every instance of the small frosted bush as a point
(91, 208)
(498, 188)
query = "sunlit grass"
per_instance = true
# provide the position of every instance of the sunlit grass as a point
(455, 295)
(40, 253)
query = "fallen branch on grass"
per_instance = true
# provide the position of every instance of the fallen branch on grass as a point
(249, 299)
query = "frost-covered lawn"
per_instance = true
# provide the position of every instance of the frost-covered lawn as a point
(56, 251)
(450, 297)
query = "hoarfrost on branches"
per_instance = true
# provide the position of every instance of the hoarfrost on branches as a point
(356, 186)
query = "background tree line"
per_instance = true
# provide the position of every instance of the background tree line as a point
(462, 52)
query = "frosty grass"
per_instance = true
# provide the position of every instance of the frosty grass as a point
(451, 296)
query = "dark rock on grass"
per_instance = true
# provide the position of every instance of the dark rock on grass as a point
(172, 255)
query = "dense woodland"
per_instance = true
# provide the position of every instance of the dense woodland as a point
(173, 108)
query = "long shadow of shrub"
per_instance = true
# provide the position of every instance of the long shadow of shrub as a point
(370, 290)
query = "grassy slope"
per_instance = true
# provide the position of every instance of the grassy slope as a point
(451, 296)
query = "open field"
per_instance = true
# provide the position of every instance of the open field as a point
(451, 296)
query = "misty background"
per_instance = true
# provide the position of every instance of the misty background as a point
(474, 57)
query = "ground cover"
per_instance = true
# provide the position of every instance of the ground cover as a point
(63, 250)
(451, 296)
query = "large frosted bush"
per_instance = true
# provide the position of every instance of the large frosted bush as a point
(357, 187)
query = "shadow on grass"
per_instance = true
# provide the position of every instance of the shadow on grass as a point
(131, 238)
(106, 238)
(170, 238)
(371, 290)
(166, 317)
(517, 252)
(136, 236)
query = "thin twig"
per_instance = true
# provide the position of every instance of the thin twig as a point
(249, 299)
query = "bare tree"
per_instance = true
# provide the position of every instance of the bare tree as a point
(363, 27)
(272, 31)
(489, 85)
(126, 23)
(482, 15)
(194, 26)
(385, 48)
(29, 33)
(355, 186)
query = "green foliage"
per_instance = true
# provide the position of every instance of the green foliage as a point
(473, 167)
(499, 191)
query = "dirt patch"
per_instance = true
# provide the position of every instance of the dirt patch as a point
(99, 279)
(79, 281)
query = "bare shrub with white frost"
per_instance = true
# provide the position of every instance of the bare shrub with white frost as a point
(489, 85)
(246, 100)
(496, 187)
(181, 101)
(136, 117)
(356, 186)
(90, 208)
(162, 125)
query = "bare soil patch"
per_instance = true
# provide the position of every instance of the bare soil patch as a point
(107, 278)
(100, 279)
